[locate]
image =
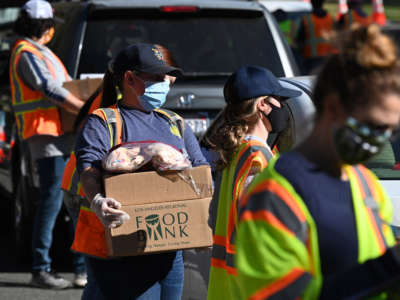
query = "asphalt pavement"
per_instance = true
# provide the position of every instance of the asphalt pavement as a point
(15, 274)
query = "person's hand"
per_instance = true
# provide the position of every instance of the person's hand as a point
(108, 211)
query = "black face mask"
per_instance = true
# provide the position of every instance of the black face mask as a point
(278, 117)
(357, 143)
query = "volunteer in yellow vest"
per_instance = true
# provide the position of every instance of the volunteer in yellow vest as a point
(136, 69)
(354, 15)
(315, 224)
(36, 77)
(311, 39)
(254, 109)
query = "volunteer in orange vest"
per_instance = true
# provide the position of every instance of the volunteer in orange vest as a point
(354, 15)
(315, 224)
(135, 70)
(73, 192)
(255, 108)
(312, 40)
(36, 78)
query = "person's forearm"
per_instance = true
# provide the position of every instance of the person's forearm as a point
(91, 181)
(72, 103)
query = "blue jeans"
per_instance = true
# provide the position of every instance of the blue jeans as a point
(50, 171)
(146, 277)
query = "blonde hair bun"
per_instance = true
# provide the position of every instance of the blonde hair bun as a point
(369, 47)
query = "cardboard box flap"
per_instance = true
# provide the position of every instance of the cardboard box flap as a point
(151, 187)
(82, 89)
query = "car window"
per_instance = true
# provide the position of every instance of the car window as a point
(8, 14)
(201, 44)
(7, 18)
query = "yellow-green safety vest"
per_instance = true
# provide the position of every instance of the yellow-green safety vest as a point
(222, 282)
(277, 243)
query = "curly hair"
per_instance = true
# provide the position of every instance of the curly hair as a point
(238, 118)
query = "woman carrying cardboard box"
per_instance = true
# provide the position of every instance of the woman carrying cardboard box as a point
(159, 276)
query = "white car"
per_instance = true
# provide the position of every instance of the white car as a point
(289, 6)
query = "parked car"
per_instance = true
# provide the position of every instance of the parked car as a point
(209, 40)
(295, 9)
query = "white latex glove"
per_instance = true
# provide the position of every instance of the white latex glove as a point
(108, 211)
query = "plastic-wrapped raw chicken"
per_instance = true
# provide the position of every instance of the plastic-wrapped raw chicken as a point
(165, 157)
(131, 156)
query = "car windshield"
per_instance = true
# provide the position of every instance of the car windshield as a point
(202, 44)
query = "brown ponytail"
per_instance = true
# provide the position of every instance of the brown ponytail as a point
(110, 85)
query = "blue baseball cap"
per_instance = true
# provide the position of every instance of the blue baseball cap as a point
(250, 82)
(145, 58)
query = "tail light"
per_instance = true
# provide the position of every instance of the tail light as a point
(179, 9)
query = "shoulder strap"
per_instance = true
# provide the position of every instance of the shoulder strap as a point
(113, 120)
(365, 184)
(174, 119)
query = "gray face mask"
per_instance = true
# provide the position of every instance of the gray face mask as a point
(356, 142)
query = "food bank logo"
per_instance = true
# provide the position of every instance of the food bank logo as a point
(166, 226)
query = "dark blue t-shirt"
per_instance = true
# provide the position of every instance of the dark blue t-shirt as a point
(93, 141)
(330, 203)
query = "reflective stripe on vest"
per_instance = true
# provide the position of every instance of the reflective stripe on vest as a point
(241, 172)
(70, 181)
(176, 123)
(222, 283)
(90, 232)
(242, 165)
(91, 240)
(315, 44)
(371, 209)
(286, 287)
(271, 199)
(34, 114)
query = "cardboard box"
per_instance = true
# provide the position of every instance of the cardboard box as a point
(81, 89)
(166, 211)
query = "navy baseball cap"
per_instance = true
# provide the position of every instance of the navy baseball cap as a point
(250, 82)
(145, 58)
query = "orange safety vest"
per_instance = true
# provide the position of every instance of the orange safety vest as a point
(89, 233)
(33, 112)
(315, 27)
(353, 17)
(222, 283)
(70, 181)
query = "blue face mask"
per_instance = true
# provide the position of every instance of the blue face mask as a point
(154, 95)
